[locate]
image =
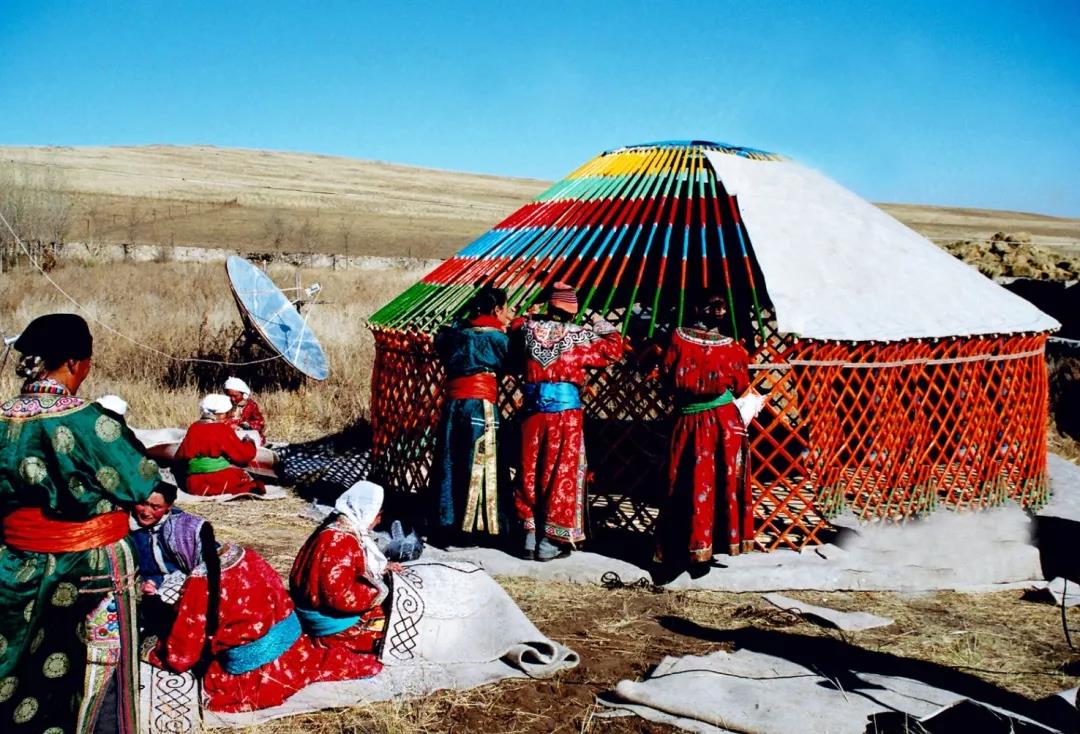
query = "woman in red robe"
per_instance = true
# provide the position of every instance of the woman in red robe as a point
(550, 498)
(245, 413)
(236, 625)
(708, 450)
(215, 454)
(338, 577)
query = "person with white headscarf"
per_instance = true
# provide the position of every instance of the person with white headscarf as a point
(237, 629)
(114, 403)
(338, 580)
(214, 455)
(244, 413)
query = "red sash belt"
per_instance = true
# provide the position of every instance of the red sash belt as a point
(481, 387)
(28, 529)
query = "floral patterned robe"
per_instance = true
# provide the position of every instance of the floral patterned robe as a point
(708, 451)
(550, 497)
(328, 576)
(253, 600)
(59, 611)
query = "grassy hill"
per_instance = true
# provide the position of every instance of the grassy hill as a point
(257, 200)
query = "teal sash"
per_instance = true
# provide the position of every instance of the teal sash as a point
(692, 408)
(266, 649)
(317, 624)
(550, 397)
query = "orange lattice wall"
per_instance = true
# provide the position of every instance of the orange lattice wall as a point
(889, 430)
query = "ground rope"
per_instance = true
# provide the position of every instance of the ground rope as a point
(611, 581)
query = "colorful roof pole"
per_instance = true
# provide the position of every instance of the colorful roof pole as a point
(648, 231)
(646, 227)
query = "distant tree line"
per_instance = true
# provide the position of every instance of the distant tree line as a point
(38, 209)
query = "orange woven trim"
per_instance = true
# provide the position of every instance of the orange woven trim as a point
(28, 529)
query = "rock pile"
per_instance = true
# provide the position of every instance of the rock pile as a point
(1014, 256)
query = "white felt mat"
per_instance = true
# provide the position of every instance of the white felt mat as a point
(837, 267)
(960, 551)
(748, 691)
(450, 626)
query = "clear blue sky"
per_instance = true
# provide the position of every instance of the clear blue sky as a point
(964, 103)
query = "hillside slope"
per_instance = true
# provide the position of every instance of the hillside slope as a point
(257, 200)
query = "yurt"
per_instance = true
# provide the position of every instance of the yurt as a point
(897, 379)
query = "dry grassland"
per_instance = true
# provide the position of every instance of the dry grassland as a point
(187, 309)
(243, 199)
(256, 200)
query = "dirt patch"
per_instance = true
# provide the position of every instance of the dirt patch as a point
(1014, 645)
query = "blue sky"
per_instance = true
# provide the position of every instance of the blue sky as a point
(972, 104)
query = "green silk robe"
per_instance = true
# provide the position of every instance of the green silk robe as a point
(67, 619)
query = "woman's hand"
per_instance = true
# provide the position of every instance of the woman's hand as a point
(148, 588)
(393, 567)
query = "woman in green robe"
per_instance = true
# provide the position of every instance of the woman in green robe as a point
(68, 470)
(468, 503)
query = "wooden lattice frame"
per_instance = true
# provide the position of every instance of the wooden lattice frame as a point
(889, 430)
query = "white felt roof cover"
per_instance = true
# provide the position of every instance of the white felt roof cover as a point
(837, 267)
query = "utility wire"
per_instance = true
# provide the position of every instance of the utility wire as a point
(120, 334)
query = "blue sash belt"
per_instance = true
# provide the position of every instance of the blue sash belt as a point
(266, 649)
(317, 624)
(551, 397)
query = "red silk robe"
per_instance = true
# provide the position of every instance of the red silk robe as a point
(551, 495)
(247, 416)
(253, 599)
(708, 451)
(328, 576)
(210, 439)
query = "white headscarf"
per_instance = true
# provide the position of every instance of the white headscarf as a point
(359, 505)
(215, 404)
(235, 383)
(115, 403)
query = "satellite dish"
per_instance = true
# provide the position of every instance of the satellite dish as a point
(267, 311)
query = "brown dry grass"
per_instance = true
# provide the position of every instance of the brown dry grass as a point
(257, 200)
(179, 308)
(183, 309)
(999, 638)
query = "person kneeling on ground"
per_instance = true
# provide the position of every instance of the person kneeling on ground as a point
(244, 414)
(338, 579)
(215, 454)
(237, 627)
(166, 539)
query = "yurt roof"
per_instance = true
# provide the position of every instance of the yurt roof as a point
(655, 227)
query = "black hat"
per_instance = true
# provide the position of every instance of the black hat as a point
(56, 337)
